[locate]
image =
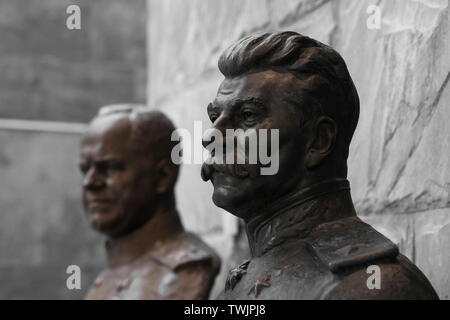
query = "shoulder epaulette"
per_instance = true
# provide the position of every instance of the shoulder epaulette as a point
(348, 242)
(184, 249)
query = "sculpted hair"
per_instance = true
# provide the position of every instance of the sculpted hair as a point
(325, 78)
(151, 130)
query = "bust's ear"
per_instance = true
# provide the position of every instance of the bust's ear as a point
(323, 137)
(166, 175)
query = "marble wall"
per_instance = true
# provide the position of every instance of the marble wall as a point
(49, 72)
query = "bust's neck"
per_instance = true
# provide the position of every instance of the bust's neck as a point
(164, 223)
(294, 215)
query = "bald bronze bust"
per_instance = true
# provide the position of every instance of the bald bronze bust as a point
(305, 239)
(128, 195)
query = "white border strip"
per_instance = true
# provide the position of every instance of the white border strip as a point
(43, 126)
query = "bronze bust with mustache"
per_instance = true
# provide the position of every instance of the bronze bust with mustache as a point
(128, 195)
(306, 241)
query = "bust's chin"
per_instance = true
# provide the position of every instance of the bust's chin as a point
(233, 202)
(108, 225)
(104, 229)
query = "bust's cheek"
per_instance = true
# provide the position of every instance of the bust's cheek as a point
(267, 123)
(291, 157)
(119, 185)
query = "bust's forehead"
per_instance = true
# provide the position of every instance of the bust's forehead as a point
(108, 130)
(102, 124)
(258, 85)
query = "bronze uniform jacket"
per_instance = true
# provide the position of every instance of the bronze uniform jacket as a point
(299, 252)
(180, 267)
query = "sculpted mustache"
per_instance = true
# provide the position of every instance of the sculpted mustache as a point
(234, 170)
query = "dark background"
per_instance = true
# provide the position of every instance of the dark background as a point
(50, 73)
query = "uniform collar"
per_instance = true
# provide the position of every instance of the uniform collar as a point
(296, 214)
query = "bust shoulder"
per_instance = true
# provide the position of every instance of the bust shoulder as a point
(348, 242)
(184, 249)
(184, 267)
(347, 247)
(399, 279)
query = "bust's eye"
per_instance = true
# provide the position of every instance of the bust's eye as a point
(84, 168)
(247, 114)
(111, 166)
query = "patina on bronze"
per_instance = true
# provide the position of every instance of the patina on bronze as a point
(128, 195)
(305, 238)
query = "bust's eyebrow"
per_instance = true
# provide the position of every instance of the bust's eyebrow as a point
(108, 159)
(252, 100)
(236, 103)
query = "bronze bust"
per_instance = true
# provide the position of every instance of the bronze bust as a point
(128, 195)
(305, 239)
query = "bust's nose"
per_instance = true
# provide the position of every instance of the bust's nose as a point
(93, 180)
(218, 130)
